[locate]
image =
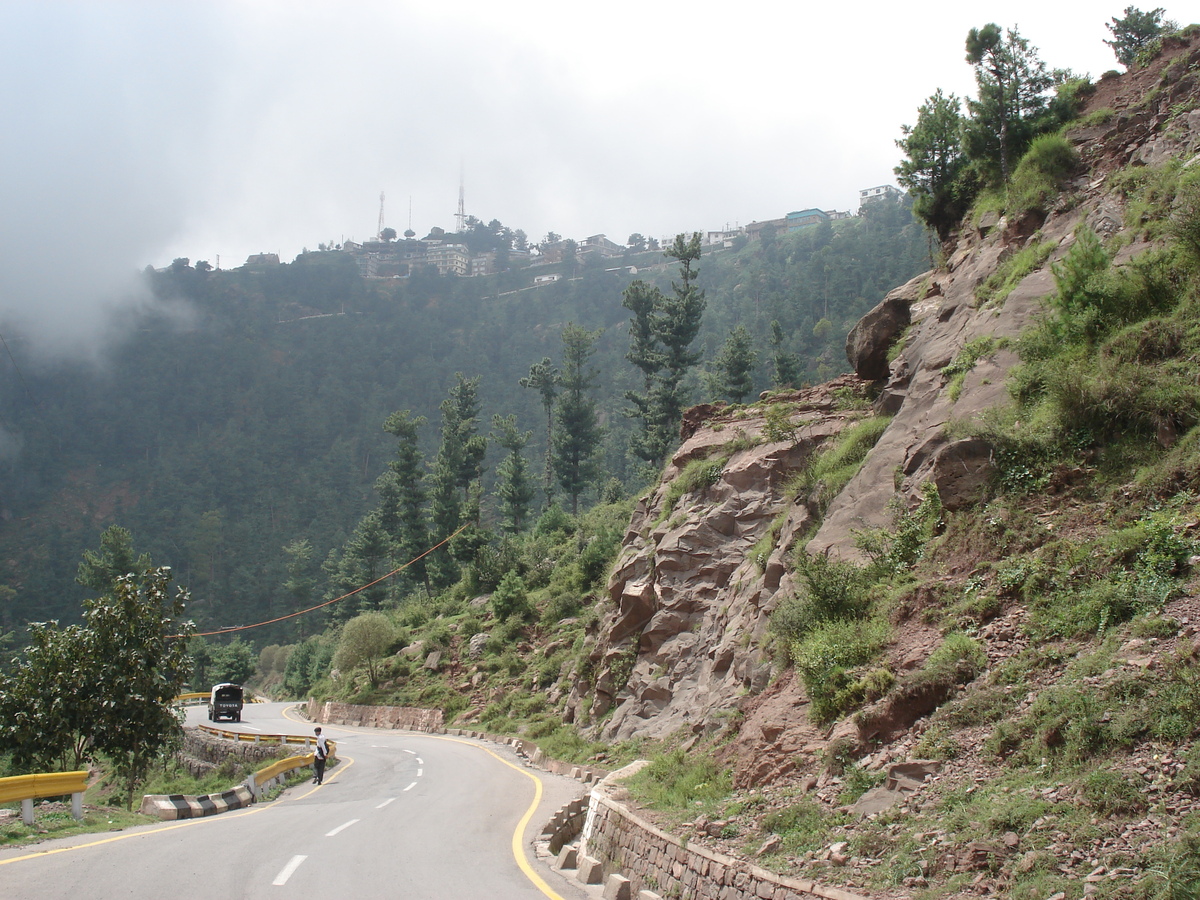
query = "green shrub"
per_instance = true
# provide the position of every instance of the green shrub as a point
(1041, 174)
(831, 590)
(510, 599)
(777, 424)
(902, 547)
(828, 660)
(957, 660)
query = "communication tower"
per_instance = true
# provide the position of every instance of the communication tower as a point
(460, 217)
(379, 230)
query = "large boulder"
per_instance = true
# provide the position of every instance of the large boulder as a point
(869, 341)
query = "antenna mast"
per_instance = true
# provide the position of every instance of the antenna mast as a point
(460, 217)
(379, 231)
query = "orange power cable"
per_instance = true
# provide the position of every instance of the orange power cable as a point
(335, 599)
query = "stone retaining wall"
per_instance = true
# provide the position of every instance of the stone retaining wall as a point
(401, 717)
(655, 861)
(202, 753)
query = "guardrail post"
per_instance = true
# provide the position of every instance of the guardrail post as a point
(27, 811)
(77, 805)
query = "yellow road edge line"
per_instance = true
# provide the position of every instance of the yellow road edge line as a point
(203, 820)
(518, 850)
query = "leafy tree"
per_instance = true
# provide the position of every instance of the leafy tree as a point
(735, 365)
(46, 703)
(543, 378)
(576, 436)
(388, 234)
(1012, 83)
(652, 244)
(636, 242)
(234, 662)
(365, 641)
(934, 162)
(307, 663)
(1137, 32)
(660, 338)
(135, 644)
(513, 485)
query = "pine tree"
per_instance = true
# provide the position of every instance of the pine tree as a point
(661, 336)
(934, 161)
(1012, 83)
(402, 495)
(543, 378)
(577, 433)
(456, 472)
(785, 365)
(735, 365)
(513, 486)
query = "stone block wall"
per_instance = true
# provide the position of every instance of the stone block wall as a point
(655, 861)
(212, 750)
(402, 717)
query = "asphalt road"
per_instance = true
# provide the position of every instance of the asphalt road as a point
(419, 817)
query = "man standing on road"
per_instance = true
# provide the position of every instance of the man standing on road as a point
(319, 757)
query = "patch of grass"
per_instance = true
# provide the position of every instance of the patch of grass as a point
(1041, 175)
(833, 468)
(802, 825)
(972, 352)
(1076, 720)
(52, 821)
(765, 545)
(1112, 794)
(997, 286)
(680, 782)
(696, 475)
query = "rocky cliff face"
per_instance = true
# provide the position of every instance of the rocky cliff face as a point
(681, 642)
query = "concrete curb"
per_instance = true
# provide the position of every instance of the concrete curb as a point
(169, 807)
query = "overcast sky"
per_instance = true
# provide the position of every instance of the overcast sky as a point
(136, 132)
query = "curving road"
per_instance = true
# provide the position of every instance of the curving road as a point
(421, 817)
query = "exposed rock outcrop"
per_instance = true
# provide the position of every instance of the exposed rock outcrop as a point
(682, 641)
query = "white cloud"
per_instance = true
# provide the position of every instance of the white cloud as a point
(139, 132)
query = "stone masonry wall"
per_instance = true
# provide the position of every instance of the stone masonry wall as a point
(408, 718)
(655, 861)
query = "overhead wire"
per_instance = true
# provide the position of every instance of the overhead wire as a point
(357, 590)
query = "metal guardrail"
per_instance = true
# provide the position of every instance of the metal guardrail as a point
(28, 788)
(272, 774)
(301, 739)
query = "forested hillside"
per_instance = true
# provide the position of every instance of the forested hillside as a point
(243, 411)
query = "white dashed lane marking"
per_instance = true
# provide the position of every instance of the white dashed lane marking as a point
(286, 872)
(342, 827)
(385, 802)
